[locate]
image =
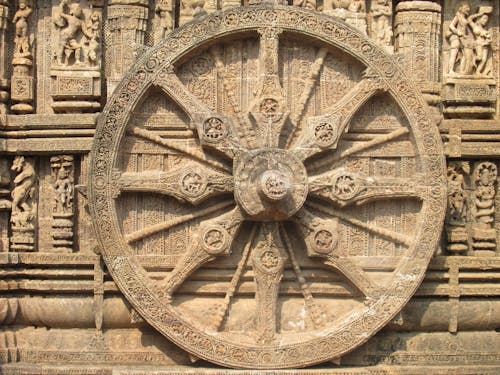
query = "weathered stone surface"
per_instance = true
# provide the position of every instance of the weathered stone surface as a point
(203, 187)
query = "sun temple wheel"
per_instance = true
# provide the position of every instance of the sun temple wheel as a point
(306, 195)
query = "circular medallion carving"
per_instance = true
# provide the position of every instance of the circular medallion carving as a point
(275, 208)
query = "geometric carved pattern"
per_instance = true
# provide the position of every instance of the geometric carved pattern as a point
(280, 229)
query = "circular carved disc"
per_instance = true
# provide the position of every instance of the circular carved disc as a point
(267, 233)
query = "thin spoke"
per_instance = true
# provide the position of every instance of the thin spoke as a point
(306, 93)
(222, 311)
(377, 140)
(383, 232)
(316, 312)
(149, 231)
(146, 134)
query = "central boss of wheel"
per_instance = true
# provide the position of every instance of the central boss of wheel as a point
(270, 184)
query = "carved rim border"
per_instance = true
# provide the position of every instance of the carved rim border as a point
(332, 342)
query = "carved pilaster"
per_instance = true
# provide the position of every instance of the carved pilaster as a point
(483, 210)
(352, 12)
(416, 33)
(63, 185)
(127, 21)
(4, 82)
(5, 205)
(456, 214)
(22, 84)
(468, 68)
(76, 65)
(24, 205)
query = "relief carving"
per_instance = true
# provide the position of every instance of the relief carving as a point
(24, 205)
(22, 83)
(5, 205)
(352, 12)
(483, 210)
(456, 215)
(164, 19)
(381, 25)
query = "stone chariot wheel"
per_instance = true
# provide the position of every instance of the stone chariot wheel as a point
(267, 187)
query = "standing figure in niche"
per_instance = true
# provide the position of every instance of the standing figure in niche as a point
(482, 42)
(22, 193)
(164, 11)
(20, 19)
(461, 41)
(381, 12)
(72, 25)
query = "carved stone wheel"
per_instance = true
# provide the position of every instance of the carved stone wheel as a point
(282, 204)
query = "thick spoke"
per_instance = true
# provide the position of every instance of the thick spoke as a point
(191, 183)
(315, 311)
(268, 110)
(268, 262)
(325, 131)
(321, 237)
(215, 131)
(382, 232)
(375, 141)
(344, 188)
(151, 136)
(213, 239)
(223, 308)
(160, 227)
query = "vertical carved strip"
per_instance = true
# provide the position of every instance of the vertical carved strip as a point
(164, 19)
(24, 205)
(454, 297)
(417, 30)
(63, 185)
(5, 205)
(4, 82)
(456, 213)
(381, 23)
(22, 83)
(127, 26)
(483, 210)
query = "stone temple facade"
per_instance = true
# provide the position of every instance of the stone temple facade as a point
(256, 187)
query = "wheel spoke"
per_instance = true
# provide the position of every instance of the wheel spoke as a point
(375, 141)
(160, 227)
(268, 262)
(321, 237)
(223, 308)
(215, 131)
(298, 116)
(344, 188)
(315, 311)
(324, 131)
(214, 238)
(382, 232)
(151, 136)
(268, 110)
(191, 183)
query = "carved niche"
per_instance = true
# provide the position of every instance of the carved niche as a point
(271, 171)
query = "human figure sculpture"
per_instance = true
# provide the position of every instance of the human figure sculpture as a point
(482, 42)
(485, 194)
(20, 20)
(164, 12)
(461, 41)
(191, 9)
(72, 25)
(63, 183)
(381, 12)
(23, 191)
(92, 33)
(310, 4)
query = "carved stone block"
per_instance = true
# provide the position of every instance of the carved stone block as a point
(76, 91)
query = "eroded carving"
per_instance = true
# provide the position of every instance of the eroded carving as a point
(485, 178)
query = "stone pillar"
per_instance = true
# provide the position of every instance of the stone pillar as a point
(4, 55)
(127, 21)
(23, 218)
(417, 30)
(22, 83)
(63, 186)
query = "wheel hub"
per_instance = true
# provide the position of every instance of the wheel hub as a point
(270, 184)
